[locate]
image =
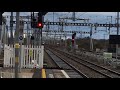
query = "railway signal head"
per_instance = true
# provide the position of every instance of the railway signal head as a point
(73, 36)
(40, 20)
(40, 25)
(37, 22)
(73, 39)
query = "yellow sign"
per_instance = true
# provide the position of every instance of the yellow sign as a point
(30, 53)
(17, 45)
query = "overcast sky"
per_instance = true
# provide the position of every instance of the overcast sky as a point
(95, 17)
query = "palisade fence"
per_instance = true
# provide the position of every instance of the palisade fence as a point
(31, 56)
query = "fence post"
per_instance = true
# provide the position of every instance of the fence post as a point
(22, 56)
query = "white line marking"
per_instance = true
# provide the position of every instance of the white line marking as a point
(66, 75)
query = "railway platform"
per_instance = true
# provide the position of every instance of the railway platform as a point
(49, 73)
(34, 73)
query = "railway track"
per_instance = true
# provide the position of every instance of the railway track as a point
(105, 72)
(68, 68)
(48, 62)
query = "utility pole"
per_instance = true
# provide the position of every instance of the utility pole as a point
(110, 22)
(91, 43)
(21, 30)
(110, 19)
(65, 41)
(41, 36)
(11, 29)
(4, 34)
(104, 42)
(48, 33)
(53, 29)
(17, 45)
(28, 36)
(7, 35)
(117, 33)
(55, 38)
(73, 16)
(0, 31)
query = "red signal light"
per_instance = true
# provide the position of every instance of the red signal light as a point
(39, 24)
(72, 39)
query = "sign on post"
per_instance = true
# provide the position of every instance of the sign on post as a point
(20, 38)
(107, 55)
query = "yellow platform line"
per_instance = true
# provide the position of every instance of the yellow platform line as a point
(43, 73)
